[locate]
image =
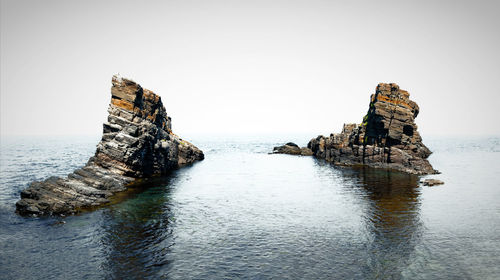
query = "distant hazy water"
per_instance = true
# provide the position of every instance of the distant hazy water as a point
(242, 213)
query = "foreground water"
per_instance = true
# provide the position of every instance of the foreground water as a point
(242, 213)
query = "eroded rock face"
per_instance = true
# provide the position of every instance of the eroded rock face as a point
(137, 142)
(387, 138)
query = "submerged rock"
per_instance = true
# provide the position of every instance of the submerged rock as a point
(292, 149)
(137, 142)
(432, 182)
(387, 137)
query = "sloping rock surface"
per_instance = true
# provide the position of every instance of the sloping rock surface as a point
(387, 138)
(137, 142)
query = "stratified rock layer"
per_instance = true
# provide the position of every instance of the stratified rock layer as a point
(137, 142)
(387, 138)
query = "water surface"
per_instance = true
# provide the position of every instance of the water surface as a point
(242, 213)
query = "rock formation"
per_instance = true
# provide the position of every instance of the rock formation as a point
(387, 138)
(292, 149)
(137, 142)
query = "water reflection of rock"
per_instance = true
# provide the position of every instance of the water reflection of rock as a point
(138, 233)
(391, 218)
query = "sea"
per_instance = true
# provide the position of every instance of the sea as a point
(245, 214)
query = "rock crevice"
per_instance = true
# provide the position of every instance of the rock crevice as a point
(137, 142)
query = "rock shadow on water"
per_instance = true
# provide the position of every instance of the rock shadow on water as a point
(391, 217)
(137, 232)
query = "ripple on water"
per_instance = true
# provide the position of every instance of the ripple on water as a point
(242, 213)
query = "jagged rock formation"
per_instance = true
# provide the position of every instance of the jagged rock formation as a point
(292, 149)
(137, 142)
(387, 138)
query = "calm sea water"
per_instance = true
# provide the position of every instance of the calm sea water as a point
(242, 213)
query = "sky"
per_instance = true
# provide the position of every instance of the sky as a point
(249, 66)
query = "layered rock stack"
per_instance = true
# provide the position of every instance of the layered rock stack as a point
(137, 142)
(387, 138)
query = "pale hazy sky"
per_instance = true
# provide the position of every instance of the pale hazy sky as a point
(249, 66)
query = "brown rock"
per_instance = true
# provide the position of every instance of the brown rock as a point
(304, 151)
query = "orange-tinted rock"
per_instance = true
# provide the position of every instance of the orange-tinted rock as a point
(122, 104)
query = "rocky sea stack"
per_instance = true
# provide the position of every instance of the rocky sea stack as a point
(387, 137)
(137, 142)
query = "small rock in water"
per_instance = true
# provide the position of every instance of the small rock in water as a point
(432, 182)
(292, 149)
(58, 223)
